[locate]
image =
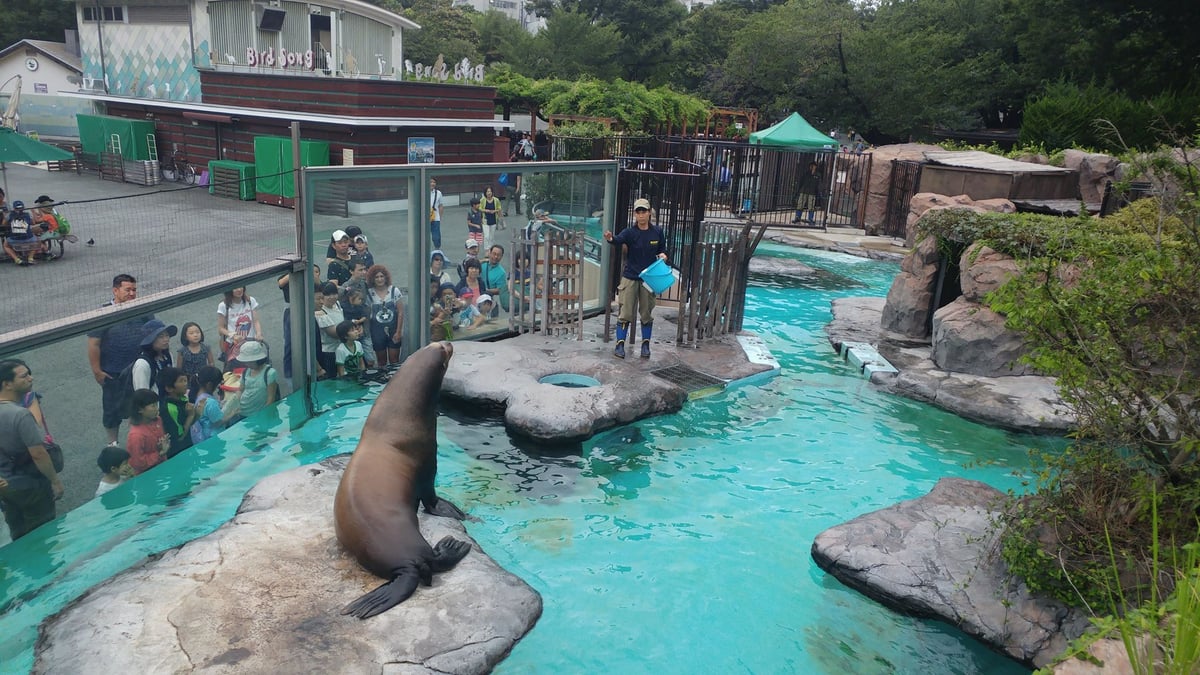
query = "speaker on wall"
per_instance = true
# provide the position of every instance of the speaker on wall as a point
(269, 18)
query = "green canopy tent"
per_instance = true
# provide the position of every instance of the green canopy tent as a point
(794, 133)
(15, 147)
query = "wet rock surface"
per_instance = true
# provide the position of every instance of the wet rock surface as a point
(937, 556)
(263, 594)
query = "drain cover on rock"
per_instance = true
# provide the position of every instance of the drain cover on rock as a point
(696, 383)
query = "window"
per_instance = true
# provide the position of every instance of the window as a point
(110, 13)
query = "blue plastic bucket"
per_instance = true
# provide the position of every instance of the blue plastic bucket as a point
(659, 276)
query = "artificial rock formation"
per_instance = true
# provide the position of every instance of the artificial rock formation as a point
(910, 298)
(936, 556)
(881, 179)
(968, 337)
(1027, 403)
(263, 594)
(1095, 171)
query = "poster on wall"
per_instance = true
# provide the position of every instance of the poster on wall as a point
(420, 150)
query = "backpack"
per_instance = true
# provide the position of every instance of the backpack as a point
(503, 179)
(64, 226)
(125, 386)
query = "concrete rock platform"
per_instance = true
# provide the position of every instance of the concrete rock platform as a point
(503, 377)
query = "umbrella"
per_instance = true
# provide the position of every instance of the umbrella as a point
(15, 147)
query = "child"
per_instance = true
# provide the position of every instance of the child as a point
(209, 418)
(362, 252)
(472, 254)
(355, 309)
(475, 222)
(175, 411)
(442, 312)
(260, 387)
(193, 355)
(474, 315)
(349, 354)
(110, 461)
(147, 444)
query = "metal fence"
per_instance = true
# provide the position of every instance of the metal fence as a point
(906, 177)
(712, 259)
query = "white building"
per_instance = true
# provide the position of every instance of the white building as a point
(513, 9)
(42, 69)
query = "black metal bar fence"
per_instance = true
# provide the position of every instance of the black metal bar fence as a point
(906, 177)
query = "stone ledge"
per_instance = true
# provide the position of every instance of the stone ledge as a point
(263, 594)
(937, 556)
(1027, 403)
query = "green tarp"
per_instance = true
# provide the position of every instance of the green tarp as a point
(793, 133)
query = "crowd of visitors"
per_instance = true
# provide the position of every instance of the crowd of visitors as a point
(177, 386)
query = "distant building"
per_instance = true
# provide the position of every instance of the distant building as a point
(215, 74)
(513, 9)
(43, 69)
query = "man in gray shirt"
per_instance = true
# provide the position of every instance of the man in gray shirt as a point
(28, 483)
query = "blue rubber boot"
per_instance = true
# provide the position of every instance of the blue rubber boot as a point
(646, 331)
(622, 332)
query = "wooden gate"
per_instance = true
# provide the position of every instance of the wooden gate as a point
(713, 283)
(547, 277)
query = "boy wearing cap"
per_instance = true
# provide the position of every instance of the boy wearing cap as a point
(361, 251)
(644, 244)
(472, 254)
(351, 231)
(21, 243)
(339, 270)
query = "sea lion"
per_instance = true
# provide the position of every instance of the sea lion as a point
(391, 471)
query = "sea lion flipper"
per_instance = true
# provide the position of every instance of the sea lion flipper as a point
(447, 553)
(386, 596)
(443, 507)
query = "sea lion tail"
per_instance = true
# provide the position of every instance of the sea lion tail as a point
(400, 588)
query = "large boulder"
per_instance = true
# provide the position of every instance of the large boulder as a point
(970, 338)
(1095, 170)
(924, 202)
(263, 594)
(936, 556)
(1028, 403)
(881, 179)
(910, 299)
(983, 270)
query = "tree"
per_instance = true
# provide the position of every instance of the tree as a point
(446, 30)
(704, 41)
(645, 29)
(572, 46)
(35, 20)
(503, 39)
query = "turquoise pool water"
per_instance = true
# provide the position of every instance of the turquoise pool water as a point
(679, 544)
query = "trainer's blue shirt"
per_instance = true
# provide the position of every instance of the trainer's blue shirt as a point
(644, 247)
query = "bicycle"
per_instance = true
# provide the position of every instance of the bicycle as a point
(179, 171)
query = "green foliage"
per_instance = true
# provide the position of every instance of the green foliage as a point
(632, 105)
(446, 30)
(1066, 115)
(572, 46)
(1109, 307)
(34, 20)
(502, 39)
(1055, 539)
